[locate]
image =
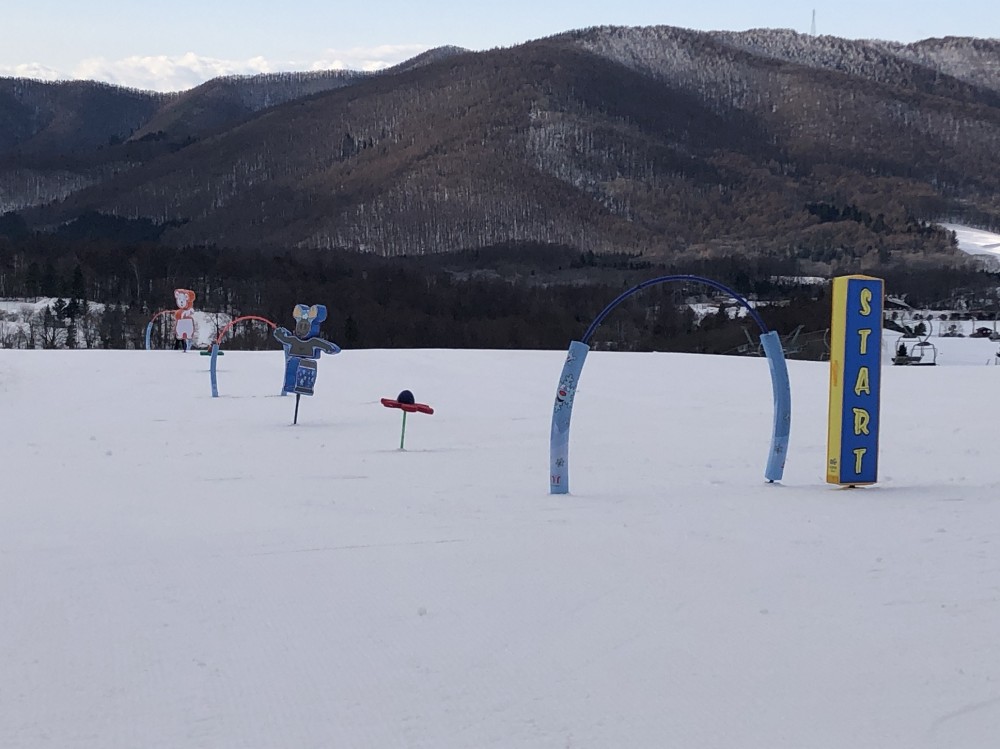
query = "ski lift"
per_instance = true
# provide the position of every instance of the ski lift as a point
(924, 354)
(983, 331)
(901, 351)
(952, 331)
(921, 354)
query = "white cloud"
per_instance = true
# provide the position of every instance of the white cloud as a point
(164, 73)
(31, 70)
(367, 58)
(179, 73)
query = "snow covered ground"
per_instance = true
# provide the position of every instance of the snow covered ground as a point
(183, 571)
(975, 241)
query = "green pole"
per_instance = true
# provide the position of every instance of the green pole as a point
(402, 435)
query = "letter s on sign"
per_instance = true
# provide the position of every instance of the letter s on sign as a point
(866, 299)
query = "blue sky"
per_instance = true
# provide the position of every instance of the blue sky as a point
(181, 43)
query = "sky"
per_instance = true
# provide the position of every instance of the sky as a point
(178, 570)
(178, 45)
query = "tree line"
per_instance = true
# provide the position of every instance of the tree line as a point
(524, 296)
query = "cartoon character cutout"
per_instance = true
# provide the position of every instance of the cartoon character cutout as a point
(303, 348)
(184, 318)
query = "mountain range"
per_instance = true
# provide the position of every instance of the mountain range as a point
(653, 140)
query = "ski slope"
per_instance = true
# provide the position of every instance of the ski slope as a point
(975, 241)
(183, 571)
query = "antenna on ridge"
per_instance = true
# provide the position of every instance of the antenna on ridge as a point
(813, 29)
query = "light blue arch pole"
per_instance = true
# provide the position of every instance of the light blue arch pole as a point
(212, 370)
(781, 391)
(562, 410)
(149, 327)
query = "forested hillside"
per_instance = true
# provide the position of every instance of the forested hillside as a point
(658, 141)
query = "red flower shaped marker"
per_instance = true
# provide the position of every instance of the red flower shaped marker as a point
(407, 404)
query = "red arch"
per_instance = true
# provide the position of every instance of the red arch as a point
(231, 323)
(149, 326)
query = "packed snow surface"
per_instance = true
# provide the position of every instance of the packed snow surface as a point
(183, 571)
(975, 241)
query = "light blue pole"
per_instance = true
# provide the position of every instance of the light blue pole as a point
(782, 391)
(149, 332)
(562, 411)
(211, 368)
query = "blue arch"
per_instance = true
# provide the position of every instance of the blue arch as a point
(663, 279)
(562, 410)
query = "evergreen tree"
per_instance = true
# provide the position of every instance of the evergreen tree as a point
(33, 280)
(50, 281)
(352, 336)
(78, 291)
